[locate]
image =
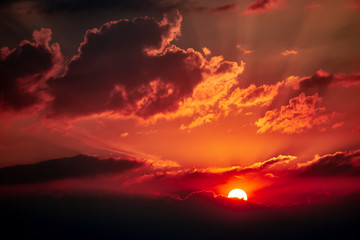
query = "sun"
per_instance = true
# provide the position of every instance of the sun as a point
(237, 193)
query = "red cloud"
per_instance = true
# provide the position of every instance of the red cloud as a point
(339, 163)
(301, 113)
(264, 5)
(25, 70)
(189, 180)
(321, 80)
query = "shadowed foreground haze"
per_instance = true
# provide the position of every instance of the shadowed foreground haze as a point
(201, 216)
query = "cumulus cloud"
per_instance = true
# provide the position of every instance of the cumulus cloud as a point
(337, 164)
(264, 5)
(303, 112)
(78, 166)
(25, 70)
(128, 67)
(131, 68)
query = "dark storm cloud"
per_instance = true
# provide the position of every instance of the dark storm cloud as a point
(63, 168)
(337, 164)
(25, 70)
(128, 67)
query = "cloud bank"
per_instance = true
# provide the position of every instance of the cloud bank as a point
(78, 166)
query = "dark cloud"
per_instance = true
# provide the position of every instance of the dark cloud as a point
(264, 5)
(25, 70)
(317, 82)
(128, 67)
(337, 164)
(63, 168)
(225, 8)
(321, 80)
(190, 180)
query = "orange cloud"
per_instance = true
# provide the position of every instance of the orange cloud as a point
(302, 113)
(206, 51)
(220, 100)
(243, 50)
(289, 52)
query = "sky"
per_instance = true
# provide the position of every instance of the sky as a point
(173, 104)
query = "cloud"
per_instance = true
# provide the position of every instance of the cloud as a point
(25, 70)
(189, 180)
(78, 166)
(337, 164)
(289, 52)
(130, 68)
(206, 51)
(218, 95)
(225, 8)
(347, 80)
(264, 5)
(337, 125)
(302, 113)
(243, 50)
(321, 80)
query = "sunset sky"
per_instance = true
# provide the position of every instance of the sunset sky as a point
(173, 99)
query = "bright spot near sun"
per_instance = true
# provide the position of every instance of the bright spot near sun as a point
(237, 193)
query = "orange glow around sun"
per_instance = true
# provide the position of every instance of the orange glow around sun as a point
(237, 193)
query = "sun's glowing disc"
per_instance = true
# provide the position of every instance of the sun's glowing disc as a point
(237, 193)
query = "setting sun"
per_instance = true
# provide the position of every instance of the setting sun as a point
(238, 193)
